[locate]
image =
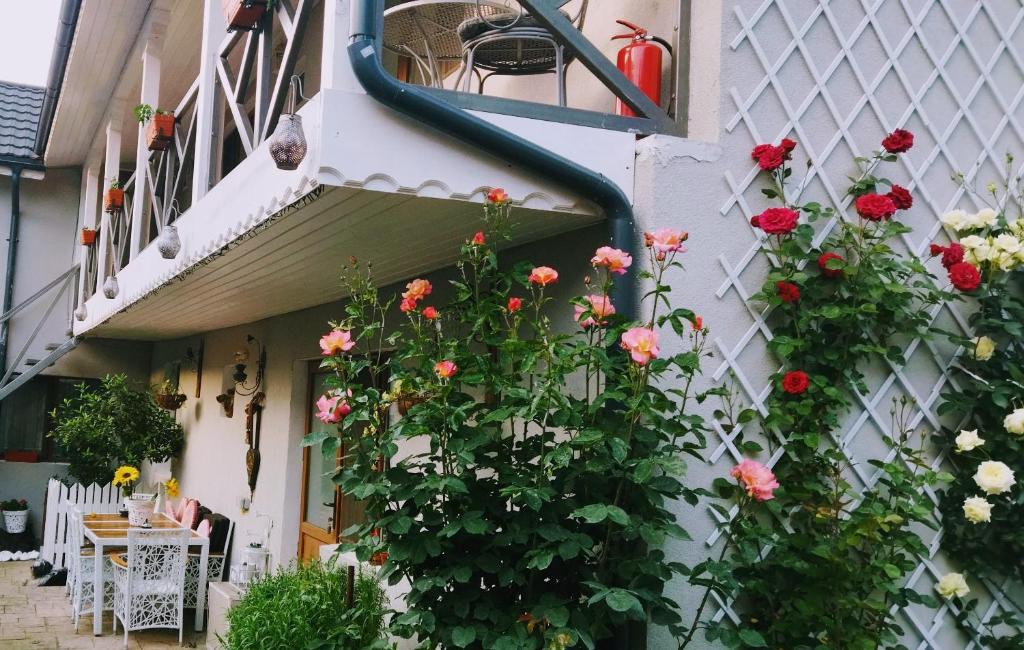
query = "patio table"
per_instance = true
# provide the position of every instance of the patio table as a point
(111, 531)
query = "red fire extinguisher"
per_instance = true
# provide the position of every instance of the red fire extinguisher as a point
(640, 61)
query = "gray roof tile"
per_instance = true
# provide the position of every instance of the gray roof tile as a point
(20, 107)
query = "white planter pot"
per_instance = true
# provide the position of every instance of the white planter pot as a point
(15, 521)
(139, 511)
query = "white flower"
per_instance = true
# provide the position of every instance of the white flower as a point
(977, 510)
(952, 584)
(1014, 422)
(955, 219)
(994, 477)
(968, 440)
(983, 348)
(976, 249)
(1007, 243)
(1005, 261)
(984, 218)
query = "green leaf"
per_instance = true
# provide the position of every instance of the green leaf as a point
(592, 514)
(462, 636)
(621, 600)
(752, 638)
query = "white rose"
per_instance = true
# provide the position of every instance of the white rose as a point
(994, 477)
(977, 510)
(1014, 422)
(1005, 261)
(1007, 243)
(983, 348)
(984, 218)
(968, 440)
(955, 219)
(952, 584)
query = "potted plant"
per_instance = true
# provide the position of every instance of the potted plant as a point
(113, 424)
(15, 515)
(406, 395)
(245, 14)
(113, 198)
(88, 236)
(160, 126)
(168, 397)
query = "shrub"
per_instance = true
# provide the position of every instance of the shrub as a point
(304, 607)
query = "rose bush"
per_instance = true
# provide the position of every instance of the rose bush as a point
(525, 495)
(823, 563)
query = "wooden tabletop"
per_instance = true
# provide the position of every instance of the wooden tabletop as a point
(114, 526)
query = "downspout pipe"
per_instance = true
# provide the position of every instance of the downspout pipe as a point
(12, 250)
(58, 64)
(472, 130)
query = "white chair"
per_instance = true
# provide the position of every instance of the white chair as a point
(81, 569)
(149, 581)
(215, 565)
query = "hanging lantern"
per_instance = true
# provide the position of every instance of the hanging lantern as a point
(81, 313)
(110, 287)
(288, 144)
(168, 243)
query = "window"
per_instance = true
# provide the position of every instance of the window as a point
(25, 420)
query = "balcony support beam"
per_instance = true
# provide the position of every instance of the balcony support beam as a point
(150, 94)
(88, 208)
(206, 100)
(111, 172)
(335, 69)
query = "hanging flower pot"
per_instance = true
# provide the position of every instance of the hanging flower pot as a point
(113, 199)
(170, 401)
(88, 237)
(243, 14)
(160, 131)
(81, 313)
(406, 402)
(168, 243)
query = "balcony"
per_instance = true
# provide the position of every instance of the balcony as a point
(256, 241)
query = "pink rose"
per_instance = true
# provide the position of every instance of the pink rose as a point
(600, 308)
(445, 369)
(642, 344)
(332, 410)
(613, 259)
(543, 275)
(336, 342)
(417, 289)
(757, 479)
(666, 240)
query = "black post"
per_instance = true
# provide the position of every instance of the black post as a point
(12, 250)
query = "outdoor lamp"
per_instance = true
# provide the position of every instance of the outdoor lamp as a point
(288, 144)
(110, 287)
(168, 243)
(81, 313)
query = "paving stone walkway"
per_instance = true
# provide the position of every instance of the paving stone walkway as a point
(40, 617)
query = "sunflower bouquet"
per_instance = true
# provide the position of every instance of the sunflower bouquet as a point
(125, 478)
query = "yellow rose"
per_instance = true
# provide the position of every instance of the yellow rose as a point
(952, 584)
(977, 510)
(984, 348)
(994, 477)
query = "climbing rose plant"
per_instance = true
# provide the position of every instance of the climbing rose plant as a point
(983, 510)
(525, 492)
(815, 555)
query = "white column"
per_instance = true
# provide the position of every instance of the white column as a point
(150, 95)
(214, 31)
(335, 69)
(87, 219)
(111, 171)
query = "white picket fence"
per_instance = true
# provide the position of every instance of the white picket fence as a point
(60, 499)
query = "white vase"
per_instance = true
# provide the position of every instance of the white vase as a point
(15, 521)
(139, 511)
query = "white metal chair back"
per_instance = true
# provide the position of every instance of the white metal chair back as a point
(150, 590)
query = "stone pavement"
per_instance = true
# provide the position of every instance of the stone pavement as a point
(40, 617)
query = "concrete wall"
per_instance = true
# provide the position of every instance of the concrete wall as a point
(212, 467)
(28, 481)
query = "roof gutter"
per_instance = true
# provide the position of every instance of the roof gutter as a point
(58, 64)
(457, 123)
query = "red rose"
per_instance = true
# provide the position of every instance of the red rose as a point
(755, 221)
(760, 150)
(772, 159)
(936, 249)
(952, 254)
(898, 141)
(478, 239)
(788, 291)
(788, 145)
(777, 221)
(874, 207)
(795, 382)
(964, 276)
(823, 264)
(514, 304)
(429, 313)
(900, 197)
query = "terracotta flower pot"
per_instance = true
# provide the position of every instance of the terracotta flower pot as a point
(170, 402)
(406, 402)
(160, 131)
(113, 200)
(88, 236)
(243, 14)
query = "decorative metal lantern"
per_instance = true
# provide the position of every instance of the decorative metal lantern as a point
(288, 144)
(110, 287)
(168, 243)
(81, 313)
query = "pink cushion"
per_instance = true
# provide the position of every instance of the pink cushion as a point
(190, 513)
(204, 528)
(169, 510)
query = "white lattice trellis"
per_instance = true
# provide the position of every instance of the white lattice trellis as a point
(836, 75)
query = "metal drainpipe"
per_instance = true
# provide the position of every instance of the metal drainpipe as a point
(12, 249)
(470, 129)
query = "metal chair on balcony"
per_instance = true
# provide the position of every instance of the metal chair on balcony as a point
(515, 43)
